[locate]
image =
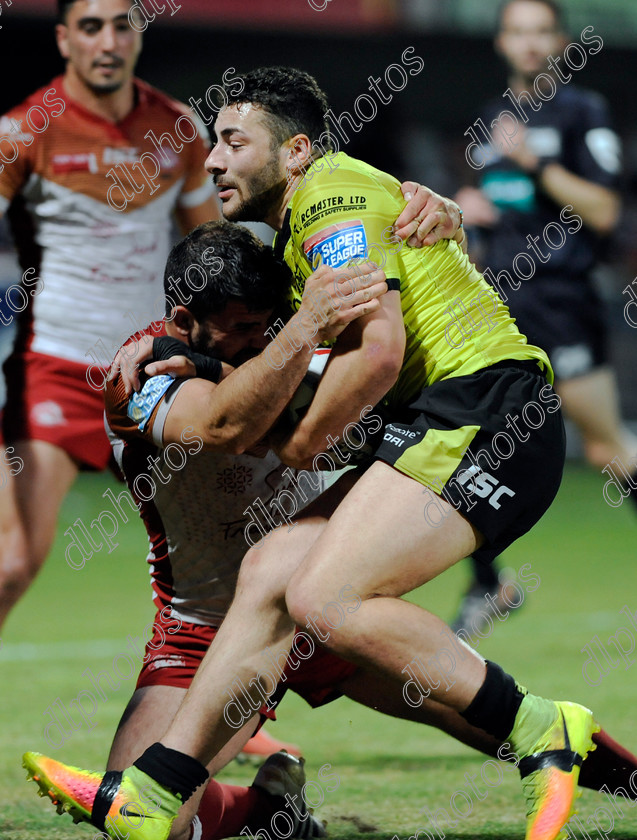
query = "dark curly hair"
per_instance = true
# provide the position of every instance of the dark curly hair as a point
(292, 102)
(220, 261)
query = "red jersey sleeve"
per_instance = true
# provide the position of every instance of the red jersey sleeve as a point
(16, 153)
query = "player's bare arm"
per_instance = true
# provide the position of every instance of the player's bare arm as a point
(236, 413)
(478, 210)
(598, 206)
(363, 366)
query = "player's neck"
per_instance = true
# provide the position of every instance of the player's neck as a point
(520, 84)
(110, 106)
(276, 214)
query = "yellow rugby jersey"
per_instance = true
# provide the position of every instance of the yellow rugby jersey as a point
(455, 322)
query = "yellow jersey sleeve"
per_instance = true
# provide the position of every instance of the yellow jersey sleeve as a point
(341, 214)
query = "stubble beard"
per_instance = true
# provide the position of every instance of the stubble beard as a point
(266, 191)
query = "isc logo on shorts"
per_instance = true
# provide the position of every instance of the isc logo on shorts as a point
(337, 244)
(482, 484)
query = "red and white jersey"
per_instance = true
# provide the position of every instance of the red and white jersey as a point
(99, 266)
(201, 509)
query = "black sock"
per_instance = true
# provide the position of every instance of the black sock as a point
(173, 770)
(496, 704)
(485, 574)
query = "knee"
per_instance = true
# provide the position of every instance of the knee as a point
(254, 569)
(17, 571)
(300, 597)
(320, 611)
(261, 572)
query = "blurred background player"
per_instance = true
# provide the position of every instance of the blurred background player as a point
(98, 267)
(561, 161)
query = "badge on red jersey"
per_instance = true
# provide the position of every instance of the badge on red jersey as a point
(142, 405)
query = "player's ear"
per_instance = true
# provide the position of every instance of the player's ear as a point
(299, 154)
(183, 321)
(62, 38)
(497, 45)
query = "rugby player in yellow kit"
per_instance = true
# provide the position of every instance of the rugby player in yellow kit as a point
(470, 458)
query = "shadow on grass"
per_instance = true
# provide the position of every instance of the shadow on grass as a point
(407, 764)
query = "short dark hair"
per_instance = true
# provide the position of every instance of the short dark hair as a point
(63, 8)
(228, 262)
(556, 7)
(292, 101)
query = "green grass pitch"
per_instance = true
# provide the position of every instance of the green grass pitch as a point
(389, 771)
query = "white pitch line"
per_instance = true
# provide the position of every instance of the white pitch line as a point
(51, 651)
(54, 651)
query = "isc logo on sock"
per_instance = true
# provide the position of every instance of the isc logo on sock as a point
(483, 484)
